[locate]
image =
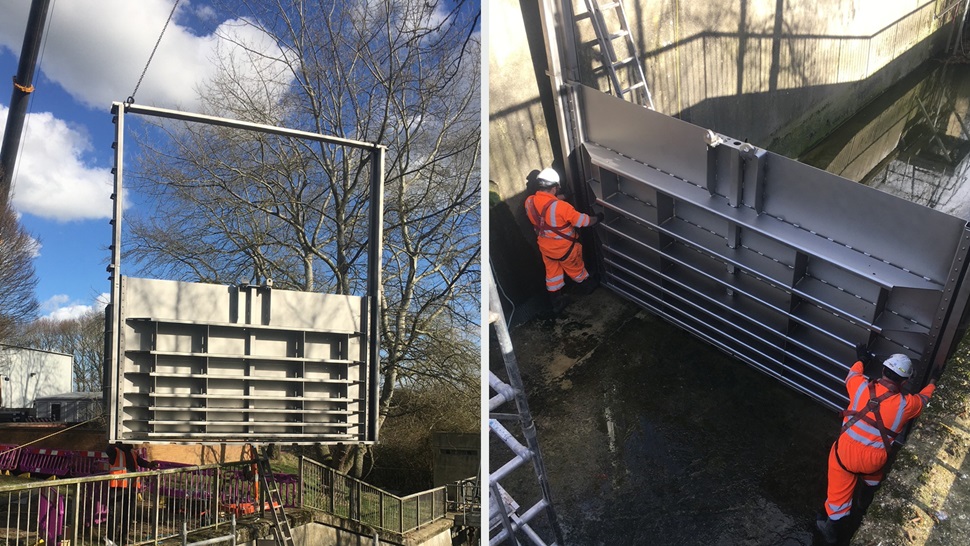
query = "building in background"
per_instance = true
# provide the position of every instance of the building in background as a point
(69, 407)
(28, 374)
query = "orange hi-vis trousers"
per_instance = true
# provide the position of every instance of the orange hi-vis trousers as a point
(555, 269)
(864, 461)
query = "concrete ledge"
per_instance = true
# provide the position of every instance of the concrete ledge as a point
(342, 532)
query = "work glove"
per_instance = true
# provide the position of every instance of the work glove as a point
(862, 354)
(936, 373)
(599, 216)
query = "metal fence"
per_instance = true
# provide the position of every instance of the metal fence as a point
(327, 490)
(163, 506)
(152, 507)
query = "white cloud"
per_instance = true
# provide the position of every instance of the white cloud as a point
(51, 179)
(96, 50)
(206, 13)
(61, 307)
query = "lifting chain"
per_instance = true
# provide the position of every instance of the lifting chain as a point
(131, 98)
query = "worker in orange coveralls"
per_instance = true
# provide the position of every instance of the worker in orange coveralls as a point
(877, 413)
(122, 459)
(555, 222)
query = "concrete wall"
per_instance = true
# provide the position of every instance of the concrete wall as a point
(781, 74)
(57, 436)
(316, 533)
(520, 106)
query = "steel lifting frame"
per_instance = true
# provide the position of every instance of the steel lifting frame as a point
(504, 513)
(119, 401)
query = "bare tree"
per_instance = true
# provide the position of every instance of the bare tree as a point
(18, 303)
(228, 206)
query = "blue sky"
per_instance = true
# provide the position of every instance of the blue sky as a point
(93, 54)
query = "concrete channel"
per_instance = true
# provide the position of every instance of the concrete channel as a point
(651, 436)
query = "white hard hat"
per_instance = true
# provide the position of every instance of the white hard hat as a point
(901, 364)
(547, 177)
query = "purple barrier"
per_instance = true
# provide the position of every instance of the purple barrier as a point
(94, 508)
(44, 461)
(9, 456)
(50, 515)
(87, 463)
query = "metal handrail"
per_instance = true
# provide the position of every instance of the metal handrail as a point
(171, 503)
(155, 506)
(327, 490)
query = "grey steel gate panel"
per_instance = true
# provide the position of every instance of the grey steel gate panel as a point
(785, 266)
(239, 364)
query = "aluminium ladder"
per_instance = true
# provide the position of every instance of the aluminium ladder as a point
(506, 521)
(281, 525)
(610, 25)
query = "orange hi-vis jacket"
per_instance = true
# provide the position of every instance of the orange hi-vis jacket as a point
(555, 223)
(868, 431)
(118, 467)
(895, 409)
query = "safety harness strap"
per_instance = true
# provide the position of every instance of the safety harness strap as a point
(838, 459)
(542, 226)
(870, 415)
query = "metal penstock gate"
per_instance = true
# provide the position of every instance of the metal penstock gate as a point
(782, 265)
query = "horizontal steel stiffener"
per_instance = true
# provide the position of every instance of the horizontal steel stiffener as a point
(780, 264)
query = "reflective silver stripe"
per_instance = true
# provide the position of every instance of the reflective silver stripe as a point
(899, 413)
(583, 220)
(866, 427)
(854, 406)
(551, 220)
(839, 510)
(862, 439)
(858, 395)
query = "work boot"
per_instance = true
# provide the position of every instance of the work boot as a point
(558, 301)
(586, 287)
(828, 529)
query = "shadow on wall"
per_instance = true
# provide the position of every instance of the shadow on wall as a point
(783, 89)
(514, 256)
(514, 253)
(764, 85)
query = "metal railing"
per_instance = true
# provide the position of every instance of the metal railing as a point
(329, 491)
(166, 506)
(465, 500)
(153, 507)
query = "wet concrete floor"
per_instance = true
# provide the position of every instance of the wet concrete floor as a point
(650, 436)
